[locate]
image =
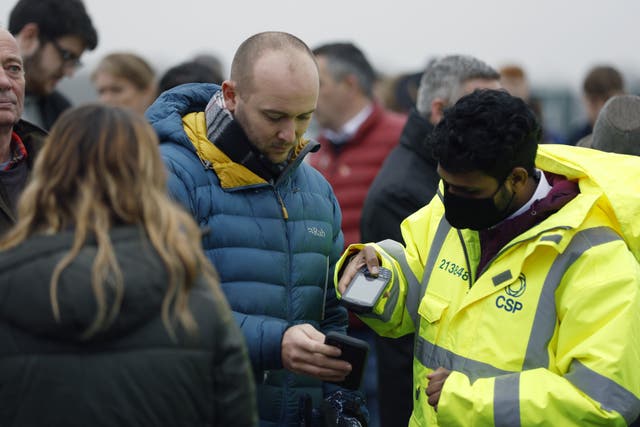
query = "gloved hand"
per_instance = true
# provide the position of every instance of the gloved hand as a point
(344, 409)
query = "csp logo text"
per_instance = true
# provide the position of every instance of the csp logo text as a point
(514, 290)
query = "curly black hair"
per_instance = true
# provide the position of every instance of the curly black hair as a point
(488, 131)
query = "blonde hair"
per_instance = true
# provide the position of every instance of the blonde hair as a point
(101, 167)
(128, 66)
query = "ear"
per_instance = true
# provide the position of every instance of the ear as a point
(437, 110)
(28, 39)
(519, 177)
(229, 94)
(352, 82)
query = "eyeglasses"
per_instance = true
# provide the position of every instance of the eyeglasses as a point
(69, 58)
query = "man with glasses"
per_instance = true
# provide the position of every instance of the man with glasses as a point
(19, 140)
(52, 36)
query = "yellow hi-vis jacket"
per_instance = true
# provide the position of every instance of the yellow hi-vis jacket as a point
(548, 334)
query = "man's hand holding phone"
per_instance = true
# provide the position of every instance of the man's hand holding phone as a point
(304, 352)
(354, 351)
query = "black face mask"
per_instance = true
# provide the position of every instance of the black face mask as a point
(475, 214)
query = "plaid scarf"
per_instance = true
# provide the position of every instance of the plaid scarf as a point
(217, 117)
(18, 153)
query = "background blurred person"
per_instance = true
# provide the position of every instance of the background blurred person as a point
(601, 83)
(408, 179)
(617, 128)
(398, 92)
(19, 140)
(125, 80)
(356, 133)
(406, 182)
(214, 63)
(187, 72)
(514, 80)
(52, 36)
(111, 313)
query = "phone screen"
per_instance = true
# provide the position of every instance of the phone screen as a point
(365, 288)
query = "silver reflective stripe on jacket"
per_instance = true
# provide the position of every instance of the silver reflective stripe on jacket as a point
(611, 396)
(506, 404)
(433, 357)
(506, 389)
(395, 250)
(615, 397)
(545, 318)
(415, 290)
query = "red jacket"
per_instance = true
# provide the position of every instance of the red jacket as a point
(350, 168)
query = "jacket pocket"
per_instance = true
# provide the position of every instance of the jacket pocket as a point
(431, 310)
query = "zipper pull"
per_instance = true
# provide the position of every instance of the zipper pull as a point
(285, 214)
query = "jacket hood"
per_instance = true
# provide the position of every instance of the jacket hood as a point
(615, 177)
(166, 113)
(26, 270)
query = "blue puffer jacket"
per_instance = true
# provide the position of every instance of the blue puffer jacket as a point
(274, 244)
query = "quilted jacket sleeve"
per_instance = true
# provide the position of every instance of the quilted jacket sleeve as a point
(335, 316)
(234, 388)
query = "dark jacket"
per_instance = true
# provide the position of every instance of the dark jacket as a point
(51, 106)
(131, 374)
(274, 243)
(33, 138)
(406, 182)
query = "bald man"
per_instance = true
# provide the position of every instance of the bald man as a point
(19, 140)
(271, 223)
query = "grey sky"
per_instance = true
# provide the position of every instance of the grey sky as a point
(556, 41)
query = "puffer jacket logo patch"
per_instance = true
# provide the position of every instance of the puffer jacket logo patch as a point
(318, 232)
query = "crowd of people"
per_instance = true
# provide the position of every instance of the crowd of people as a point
(176, 252)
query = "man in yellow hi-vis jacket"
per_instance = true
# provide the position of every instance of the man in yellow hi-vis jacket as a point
(519, 278)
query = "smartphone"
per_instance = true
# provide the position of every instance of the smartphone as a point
(354, 351)
(363, 291)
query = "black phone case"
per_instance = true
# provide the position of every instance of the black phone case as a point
(354, 351)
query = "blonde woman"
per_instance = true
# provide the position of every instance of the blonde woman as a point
(110, 314)
(124, 79)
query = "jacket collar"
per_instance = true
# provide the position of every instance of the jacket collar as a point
(33, 138)
(414, 136)
(232, 173)
(353, 127)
